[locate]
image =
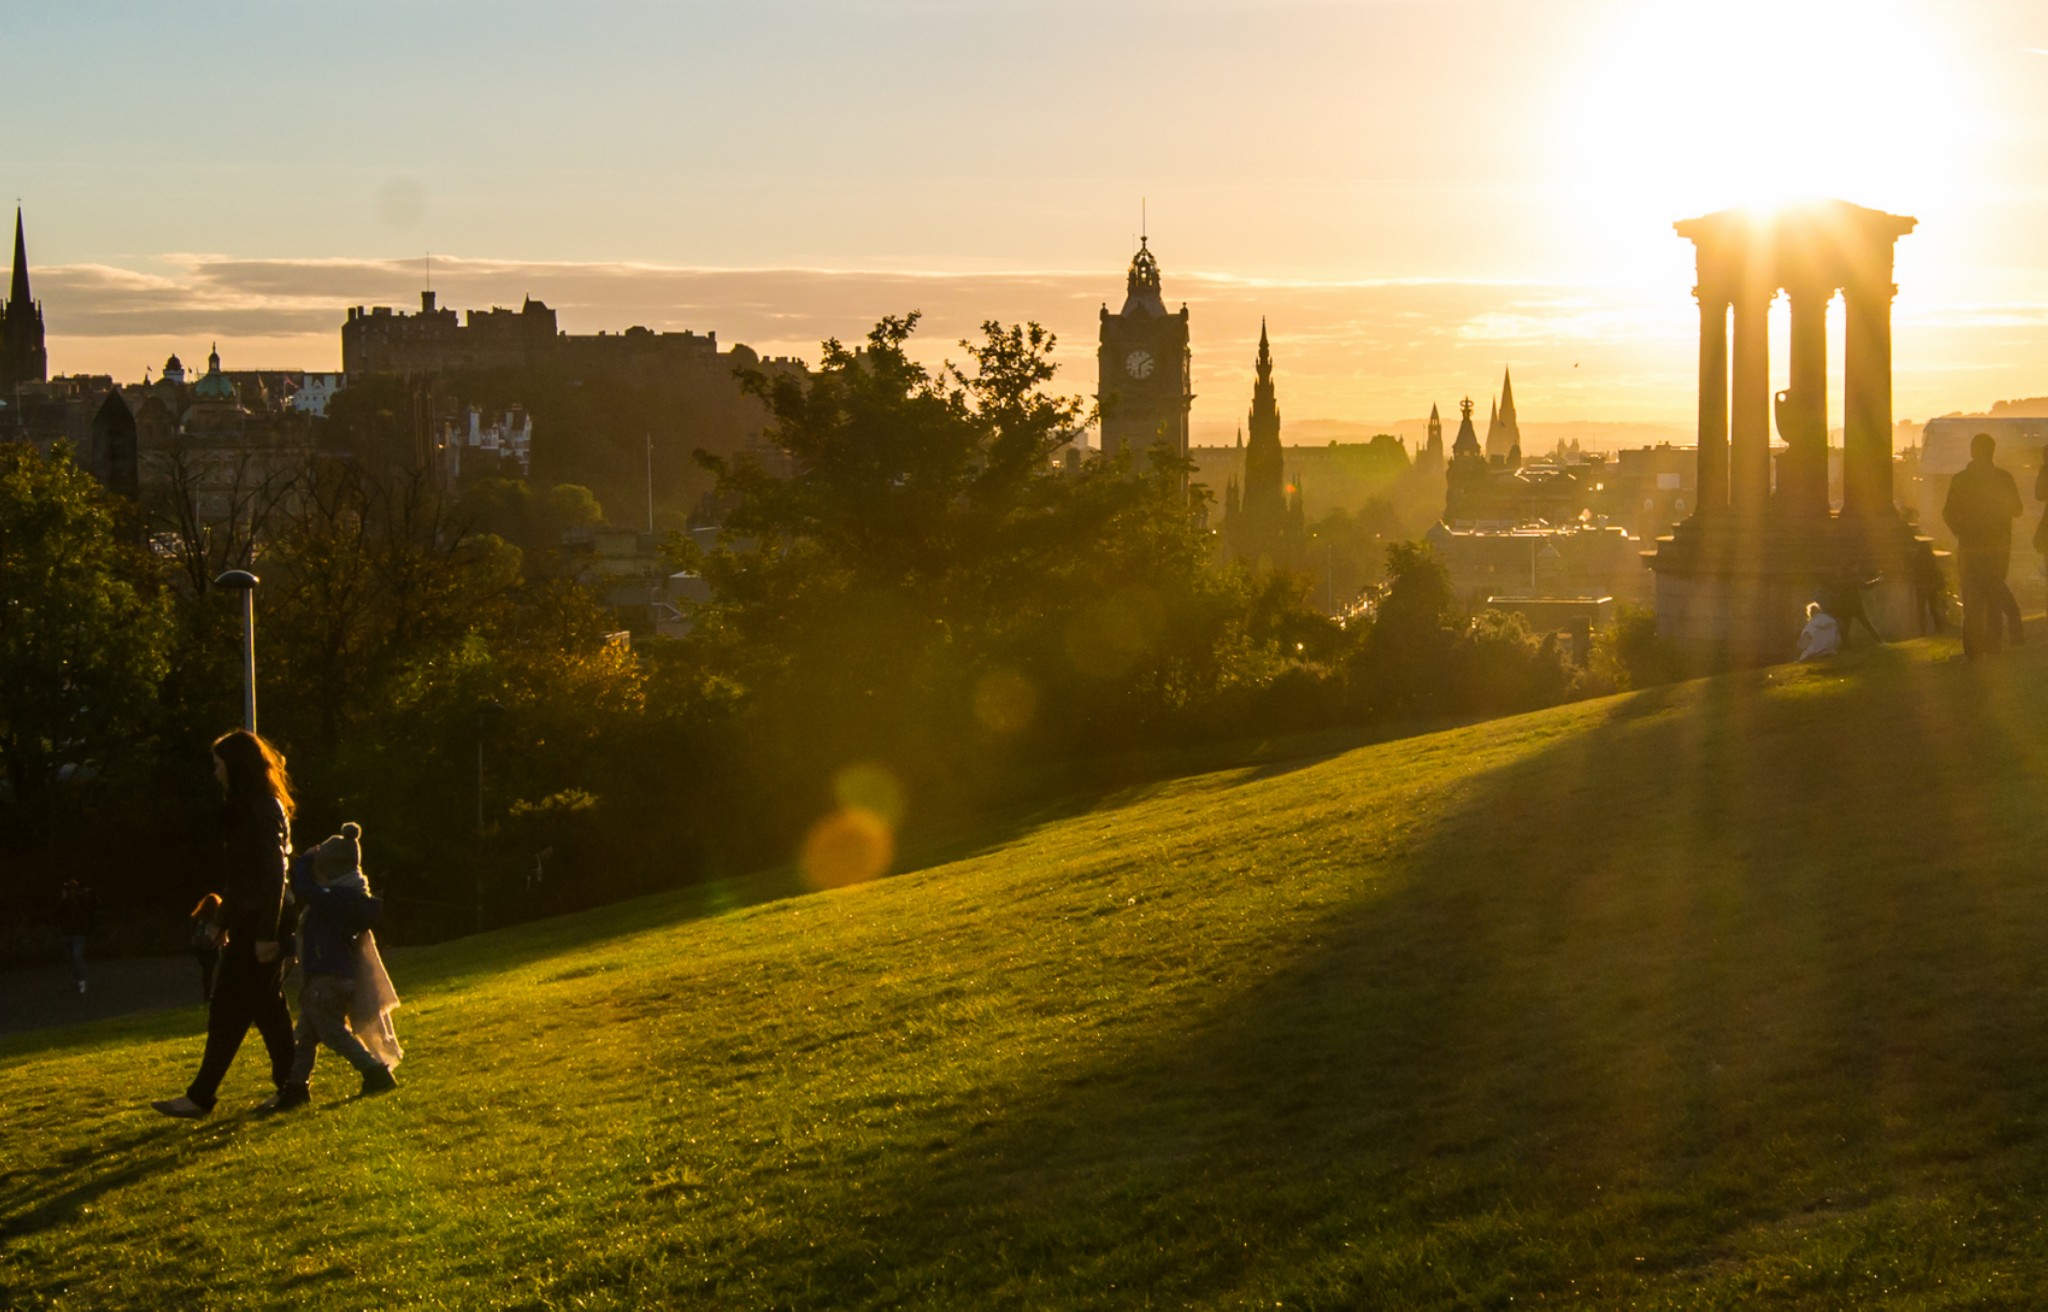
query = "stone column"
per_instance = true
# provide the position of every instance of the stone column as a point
(1803, 418)
(1712, 490)
(1749, 405)
(1867, 391)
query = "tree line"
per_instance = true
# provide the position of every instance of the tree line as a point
(918, 613)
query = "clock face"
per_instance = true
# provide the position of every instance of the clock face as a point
(1138, 364)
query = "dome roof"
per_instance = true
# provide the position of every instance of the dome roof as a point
(215, 386)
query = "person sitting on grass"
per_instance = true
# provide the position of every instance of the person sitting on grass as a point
(344, 978)
(1821, 636)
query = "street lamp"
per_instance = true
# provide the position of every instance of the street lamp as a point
(242, 581)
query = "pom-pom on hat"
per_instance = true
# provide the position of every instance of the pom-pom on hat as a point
(339, 856)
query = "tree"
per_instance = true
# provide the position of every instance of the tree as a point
(83, 626)
(1407, 662)
(920, 582)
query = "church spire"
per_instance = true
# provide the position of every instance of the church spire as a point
(1436, 431)
(1265, 361)
(18, 299)
(1504, 433)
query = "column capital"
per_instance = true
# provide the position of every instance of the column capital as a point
(1815, 287)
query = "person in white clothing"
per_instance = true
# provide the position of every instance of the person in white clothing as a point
(1821, 636)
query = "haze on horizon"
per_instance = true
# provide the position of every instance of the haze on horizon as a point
(1414, 195)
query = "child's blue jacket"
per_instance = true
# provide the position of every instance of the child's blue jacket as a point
(335, 917)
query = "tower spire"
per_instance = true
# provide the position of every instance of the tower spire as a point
(18, 299)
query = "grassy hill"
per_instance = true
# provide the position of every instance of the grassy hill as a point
(1717, 995)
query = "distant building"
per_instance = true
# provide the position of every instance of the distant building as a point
(1262, 522)
(206, 450)
(689, 387)
(1143, 368)
(378, 341)
(1465, 478)
(1430, 459)
(1542, 562)
(480, 445)
(23, 357)
(1650, 488)
(1503, 433)
(314, 391)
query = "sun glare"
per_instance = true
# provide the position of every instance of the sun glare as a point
(1689, 108)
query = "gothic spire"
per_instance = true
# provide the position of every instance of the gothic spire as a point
(1507, 398)
(1265, 363)
(18, 299)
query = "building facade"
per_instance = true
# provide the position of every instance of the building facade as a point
(1144, 383)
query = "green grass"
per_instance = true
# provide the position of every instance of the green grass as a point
(1722, 995)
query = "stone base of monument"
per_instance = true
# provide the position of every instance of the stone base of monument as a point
(1729, 594)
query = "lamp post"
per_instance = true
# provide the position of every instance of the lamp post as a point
(242, 581)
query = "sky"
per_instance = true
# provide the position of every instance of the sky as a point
(1414, 194)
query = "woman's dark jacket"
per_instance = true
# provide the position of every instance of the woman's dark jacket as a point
(253, 870)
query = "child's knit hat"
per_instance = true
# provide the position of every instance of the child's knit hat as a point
(340, 856)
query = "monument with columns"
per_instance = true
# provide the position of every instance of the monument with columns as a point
(1734, 579)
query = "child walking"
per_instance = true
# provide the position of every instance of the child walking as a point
(346, 1001)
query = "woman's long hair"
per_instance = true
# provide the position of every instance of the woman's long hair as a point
(255, 769)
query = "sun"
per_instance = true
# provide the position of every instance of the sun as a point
(1687, 108)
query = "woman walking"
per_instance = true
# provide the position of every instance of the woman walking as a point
(249, 988)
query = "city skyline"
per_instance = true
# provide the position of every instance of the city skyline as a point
(1480, 204)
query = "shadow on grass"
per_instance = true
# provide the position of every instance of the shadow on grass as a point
(37, 1199)
(1662, 998)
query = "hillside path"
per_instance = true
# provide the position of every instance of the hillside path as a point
(43, 997)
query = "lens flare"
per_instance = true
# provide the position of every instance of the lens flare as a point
(1005, 701)
(850, 846)
(870, 786)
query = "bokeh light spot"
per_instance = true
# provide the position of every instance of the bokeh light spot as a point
(870, 786)
(850, 846)
(1005, 701)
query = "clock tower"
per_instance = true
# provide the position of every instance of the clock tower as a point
(1142, 368)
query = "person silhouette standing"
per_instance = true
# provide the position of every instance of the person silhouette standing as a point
(76, 903)
(1982, 503)
(249, 988)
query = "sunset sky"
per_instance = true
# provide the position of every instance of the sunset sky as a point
(1415, 193)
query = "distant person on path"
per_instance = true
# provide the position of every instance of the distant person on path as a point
(1821, 636)
(1930, 593)
(249, 986)
(345, 980)
(1982, 503)
(75, 906)
(205, 941)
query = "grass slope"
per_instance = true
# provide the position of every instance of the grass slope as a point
(1717, 995)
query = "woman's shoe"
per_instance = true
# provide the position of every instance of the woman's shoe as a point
(379, 1080)
(181, 1107)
